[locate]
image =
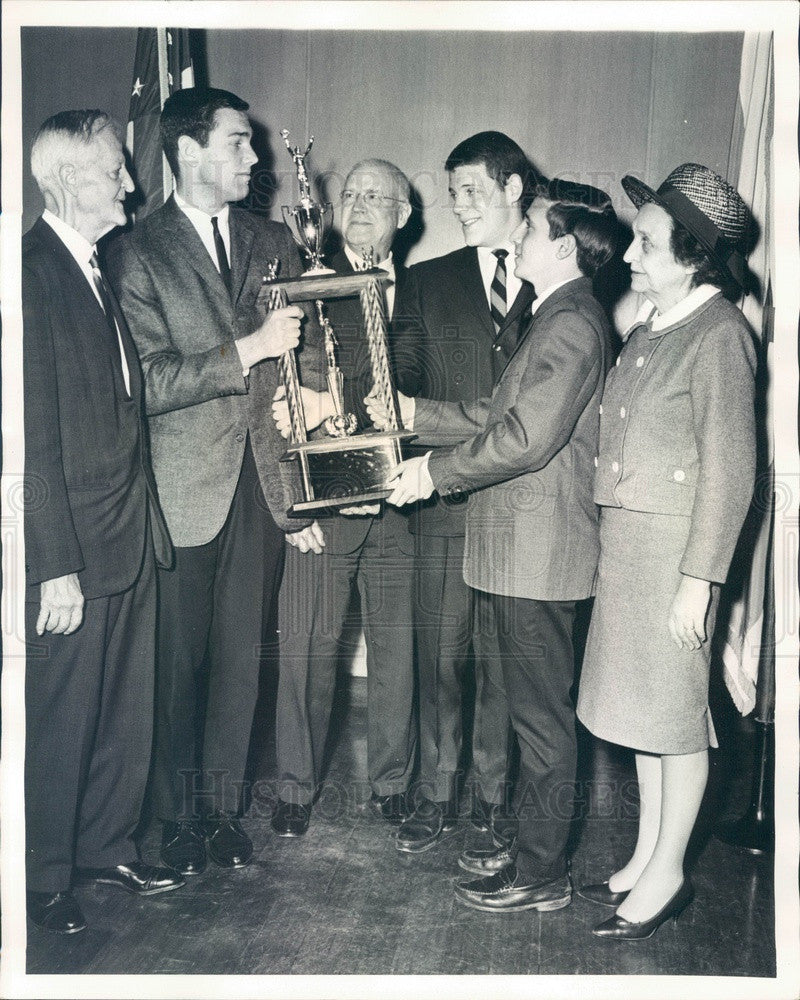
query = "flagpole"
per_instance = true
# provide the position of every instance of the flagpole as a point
(163, 87)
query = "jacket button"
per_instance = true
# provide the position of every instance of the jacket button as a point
(615, 466)
(496, 348)
(240, 437)
(640, 362)
(679, 475)
(622, 412)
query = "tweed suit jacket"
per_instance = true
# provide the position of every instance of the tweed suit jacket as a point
(200, 405)
(677, 433)
(527, 454)
(345, 532)
(443, 315)
(89, 484)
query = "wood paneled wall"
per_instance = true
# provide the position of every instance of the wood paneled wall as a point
(592, 105)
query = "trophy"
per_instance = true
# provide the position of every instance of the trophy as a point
(344, 468)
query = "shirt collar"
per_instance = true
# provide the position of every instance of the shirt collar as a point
(543, 296)
(80, 248)
(357, 263)
(684, 308)
(198, 216)
(487, 252)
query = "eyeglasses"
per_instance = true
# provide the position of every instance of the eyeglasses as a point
(372, 199)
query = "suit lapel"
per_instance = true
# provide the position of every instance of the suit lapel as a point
(242, 237)
(550, 303)
(468, 275)
(182, 239)
(515, 314)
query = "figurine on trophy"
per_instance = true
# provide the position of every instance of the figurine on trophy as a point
(346, 467)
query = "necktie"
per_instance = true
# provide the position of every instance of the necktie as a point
(222, 255)
(102, 290)
(108, 308)
(497, 291)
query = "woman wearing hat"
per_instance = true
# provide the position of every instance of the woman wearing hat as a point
(674, 480)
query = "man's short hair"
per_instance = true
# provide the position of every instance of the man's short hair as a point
(586, 214)
(501, 157)
(191, 112)
(400, 182)
(64, 137)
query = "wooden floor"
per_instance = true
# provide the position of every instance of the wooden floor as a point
(343, 900)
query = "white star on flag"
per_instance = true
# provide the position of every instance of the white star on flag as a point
(137, 88)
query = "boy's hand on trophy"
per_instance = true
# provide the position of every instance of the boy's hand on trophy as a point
(317, 406)
(379, 412)
(308, 539)
(410, 481)
(279, 333)
(361, 510)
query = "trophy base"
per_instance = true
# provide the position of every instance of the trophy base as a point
(343, 472)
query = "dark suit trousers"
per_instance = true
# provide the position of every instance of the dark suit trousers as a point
(210, 612)
(313, 607)
(89, 726)
(451, 618)
(538, 666)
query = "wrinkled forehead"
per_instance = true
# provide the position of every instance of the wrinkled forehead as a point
(104, 148)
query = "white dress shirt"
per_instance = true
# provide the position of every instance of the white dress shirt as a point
(387, 265)
(202, 223)
(82, 250)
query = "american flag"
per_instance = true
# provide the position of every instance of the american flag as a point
(163, 64)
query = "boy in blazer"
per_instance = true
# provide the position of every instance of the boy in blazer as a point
(526, 455)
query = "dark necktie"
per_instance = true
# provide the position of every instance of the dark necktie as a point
(222, 255)
(108, 308)
(102, 291)
(497, 291)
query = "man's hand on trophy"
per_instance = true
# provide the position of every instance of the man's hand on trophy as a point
(317, 406)
(361, 510)
(410, 481)
(279, 333)
(379, 412)
(308, 539)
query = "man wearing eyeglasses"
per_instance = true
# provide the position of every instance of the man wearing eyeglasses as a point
(371, 549)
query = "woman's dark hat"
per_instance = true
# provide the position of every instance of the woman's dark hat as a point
(712, 211)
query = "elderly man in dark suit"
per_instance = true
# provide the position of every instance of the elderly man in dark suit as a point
(527, 456)
(93, 530)
(371, 549)
(188, 277)
(467, 309)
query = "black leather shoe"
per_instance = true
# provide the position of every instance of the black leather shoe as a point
(137, 877)
(620, 929)
(507, 892)
(486, 862)
(600, 893)
(392, 808)
(481, 815)
(56, 912)
(228, 844)
(183, 847)
(429, 821)
(290, 819)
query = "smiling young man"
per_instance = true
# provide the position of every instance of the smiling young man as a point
(466, 309)
(188, 277)
(527, 456)
(92, 529)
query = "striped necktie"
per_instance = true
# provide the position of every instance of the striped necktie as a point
(497, 291)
